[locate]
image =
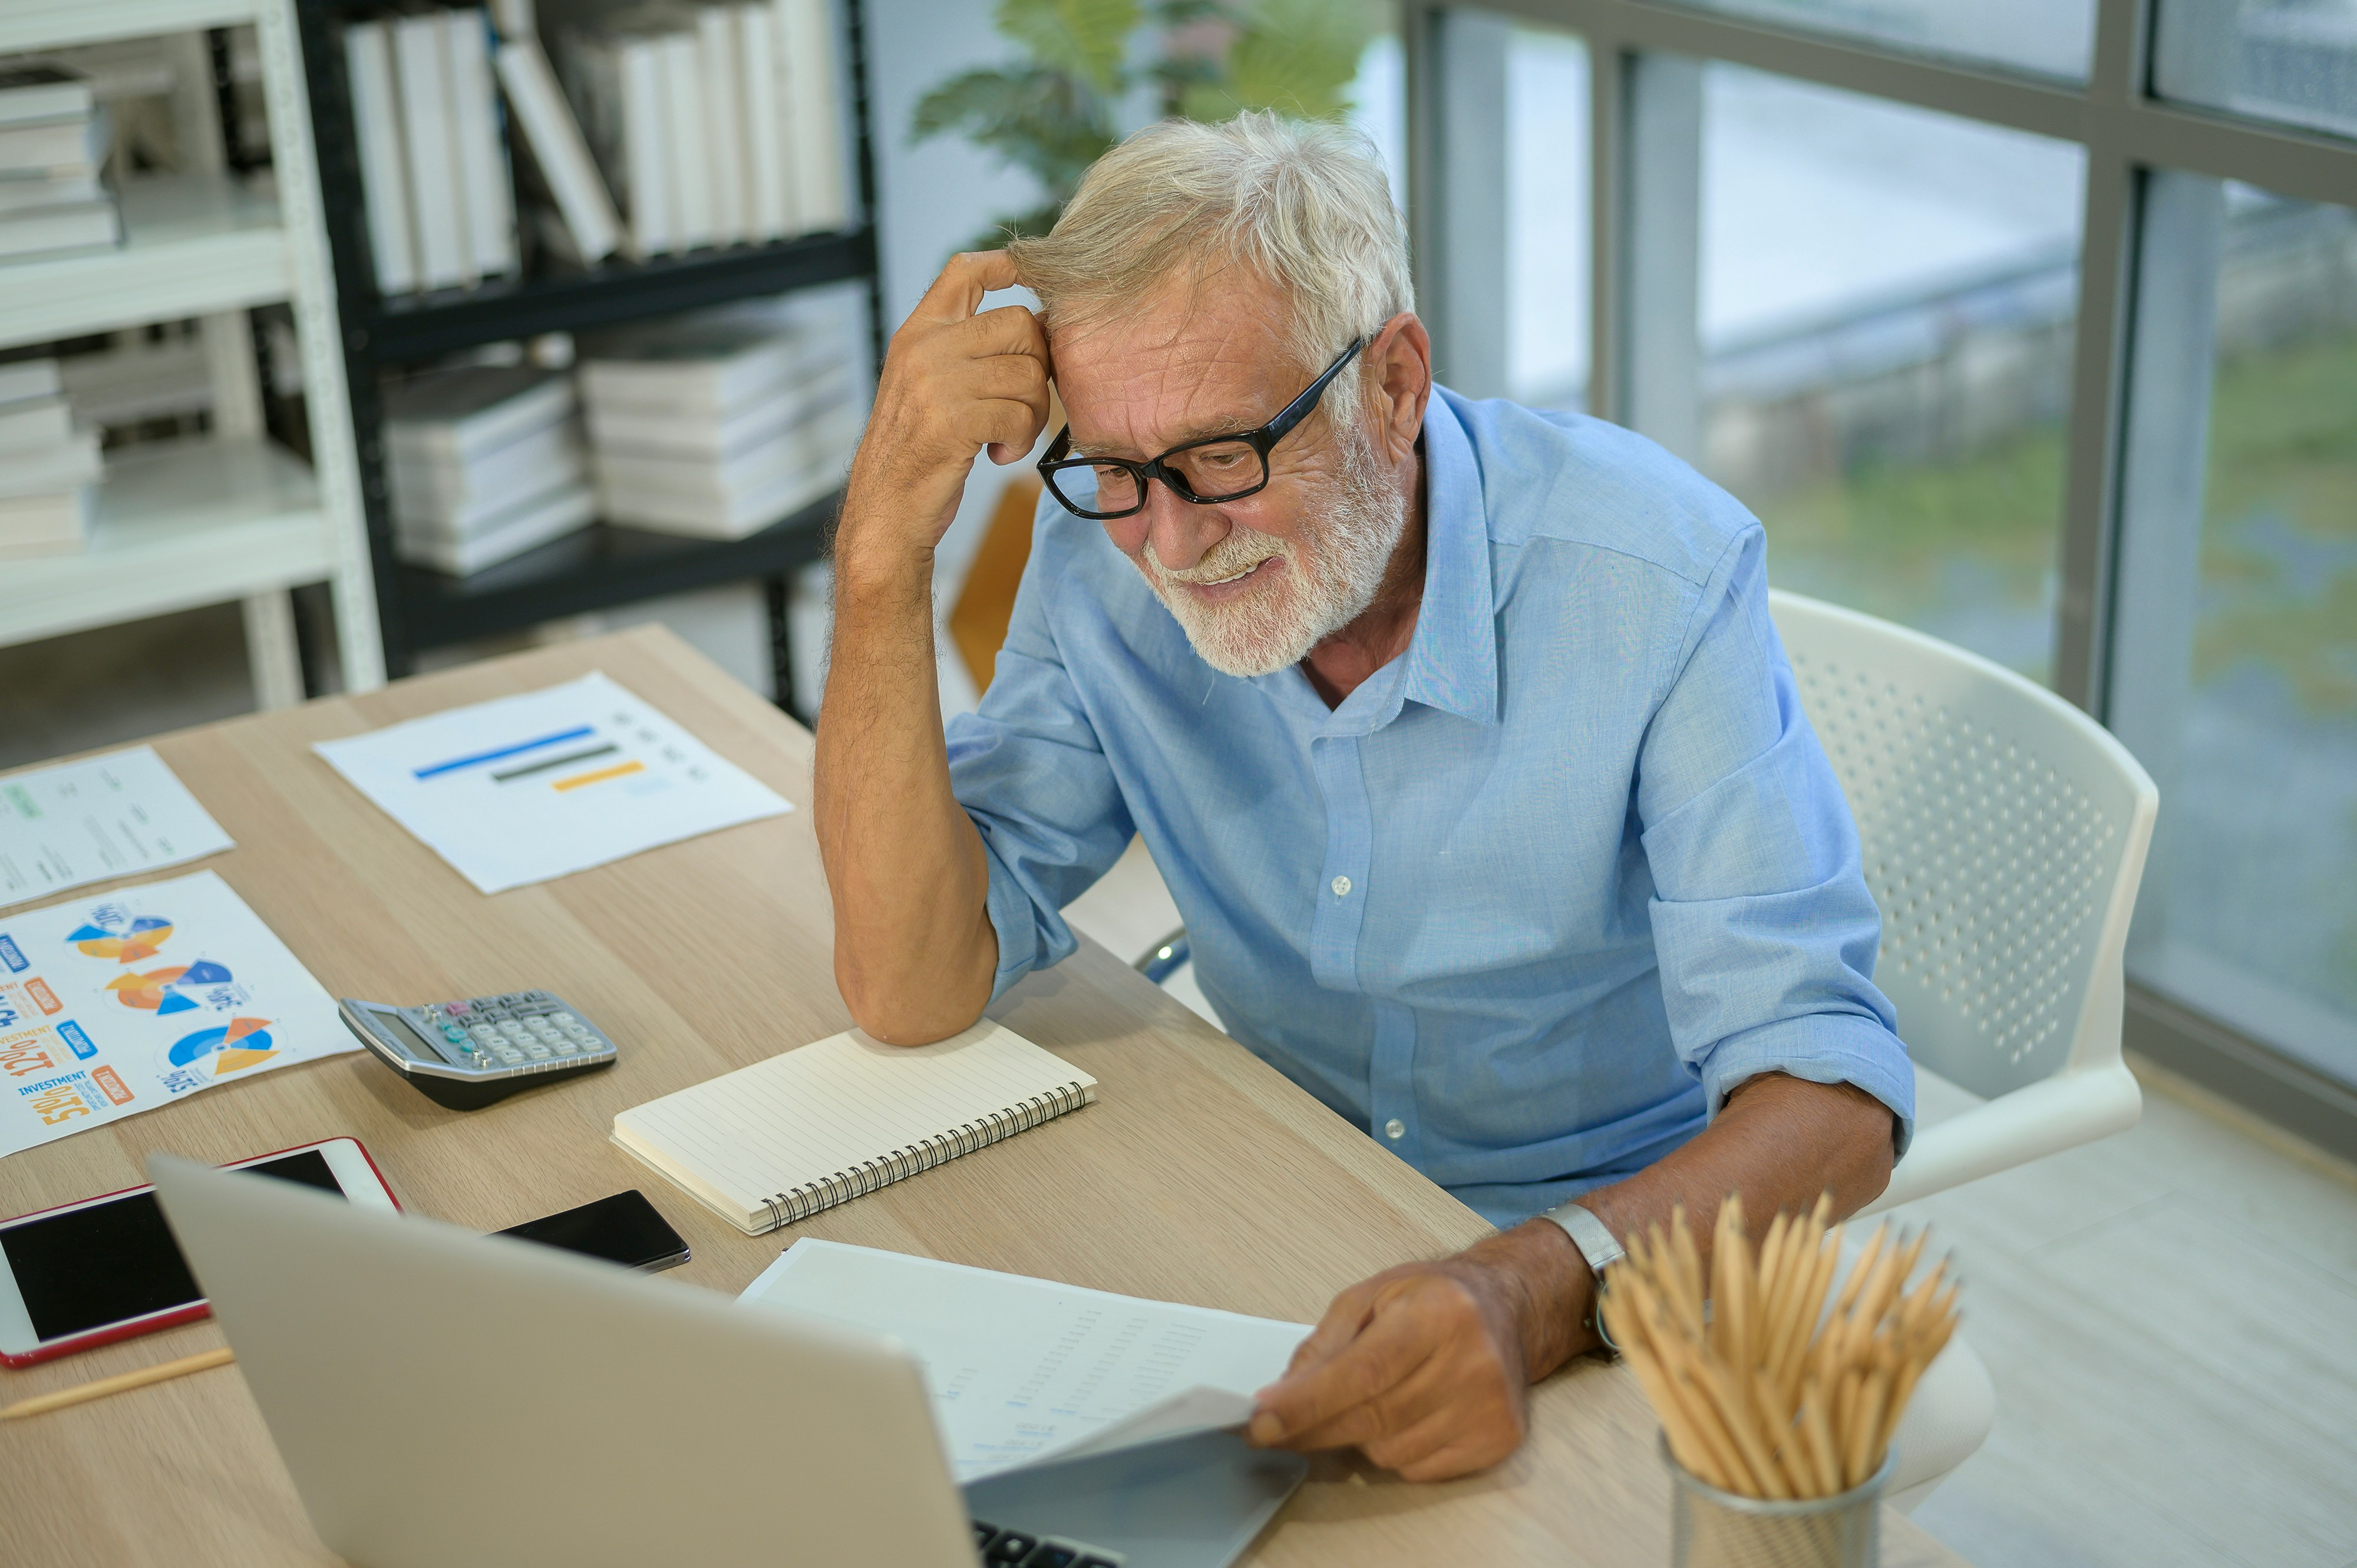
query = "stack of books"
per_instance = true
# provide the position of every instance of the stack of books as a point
(720, 427)
(49, 471)
(52, 141)
(485, 462)
(714, 124)
(433, 165)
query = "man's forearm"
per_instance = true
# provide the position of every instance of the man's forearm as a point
(1778, 1141)
(914, 950)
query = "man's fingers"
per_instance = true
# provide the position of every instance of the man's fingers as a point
(1342, 1323)
(1417, 1439)
(1010, 330)
(1392, 1348)
(958, 292)
(1007, 426)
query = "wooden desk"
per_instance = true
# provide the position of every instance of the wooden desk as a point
(1203, 1175)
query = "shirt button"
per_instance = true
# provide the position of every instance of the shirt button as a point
(1343, 890)
(1394, 1129)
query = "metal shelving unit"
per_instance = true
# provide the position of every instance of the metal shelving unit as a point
(605, 565)
(229, 516)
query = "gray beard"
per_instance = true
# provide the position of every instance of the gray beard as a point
(1332, 575)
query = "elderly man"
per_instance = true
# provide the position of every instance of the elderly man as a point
(1459, 731)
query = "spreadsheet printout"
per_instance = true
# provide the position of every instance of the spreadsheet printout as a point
(78, 822)
(1021, 1369)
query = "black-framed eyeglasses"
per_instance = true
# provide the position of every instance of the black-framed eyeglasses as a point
(1216, 468)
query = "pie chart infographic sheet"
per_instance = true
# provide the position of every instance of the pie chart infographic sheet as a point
(116, 1005)
(543, 784)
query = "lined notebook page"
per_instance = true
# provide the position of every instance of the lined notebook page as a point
(802, 1118)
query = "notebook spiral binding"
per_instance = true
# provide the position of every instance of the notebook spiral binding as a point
(799, 1203)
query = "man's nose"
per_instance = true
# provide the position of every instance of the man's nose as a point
(1179, 532)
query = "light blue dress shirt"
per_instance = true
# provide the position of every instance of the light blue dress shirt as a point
(1540, 892)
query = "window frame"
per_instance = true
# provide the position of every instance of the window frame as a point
(1640, 348)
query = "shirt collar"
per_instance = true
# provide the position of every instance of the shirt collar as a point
(1452, 660)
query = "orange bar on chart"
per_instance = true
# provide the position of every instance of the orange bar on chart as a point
(599, 776)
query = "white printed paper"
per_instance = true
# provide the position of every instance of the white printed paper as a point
(117, 1005)
(523, 788)
(1023, 1370)
(78, 822)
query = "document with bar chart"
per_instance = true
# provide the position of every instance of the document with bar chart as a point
(523, 788)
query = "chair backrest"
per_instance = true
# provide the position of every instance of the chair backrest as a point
(2003, 832)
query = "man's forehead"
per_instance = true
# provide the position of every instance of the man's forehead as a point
(1182, 364)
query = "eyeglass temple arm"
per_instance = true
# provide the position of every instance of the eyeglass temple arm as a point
(1293, 413)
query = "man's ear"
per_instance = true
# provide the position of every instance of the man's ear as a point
(1400, 362)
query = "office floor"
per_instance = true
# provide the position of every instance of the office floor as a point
(2167, 1314)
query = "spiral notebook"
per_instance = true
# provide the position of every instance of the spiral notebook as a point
(779, 1141)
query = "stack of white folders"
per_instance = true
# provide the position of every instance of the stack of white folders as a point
(48, 469)
(784, 1139)
(719, 428)
(486, 462)
(52, 141)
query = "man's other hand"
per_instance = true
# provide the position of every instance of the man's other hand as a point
(1421, 1368)
(954, 382)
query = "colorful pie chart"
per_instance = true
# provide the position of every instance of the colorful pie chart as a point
(146, 935)
(157, 991)
(233, 1046)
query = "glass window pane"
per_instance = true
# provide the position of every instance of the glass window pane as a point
(2293, 60)
(1547, 219)
(2049, 37)
(1886, 311)
(2250, 907)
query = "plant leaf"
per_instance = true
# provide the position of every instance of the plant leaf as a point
(1087, 38)
(1299, 57)
(1036, 119)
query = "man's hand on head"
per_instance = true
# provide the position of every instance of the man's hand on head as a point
(954, 382)
(1424, 1367)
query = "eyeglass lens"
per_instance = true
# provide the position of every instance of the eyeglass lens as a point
(1219, 471)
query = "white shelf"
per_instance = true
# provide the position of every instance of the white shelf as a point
(179, 524)
(193, 244)
(57, 24)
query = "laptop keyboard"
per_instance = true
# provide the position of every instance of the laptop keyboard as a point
(1014, 1549)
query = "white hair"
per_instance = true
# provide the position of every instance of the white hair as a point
(1305, 207)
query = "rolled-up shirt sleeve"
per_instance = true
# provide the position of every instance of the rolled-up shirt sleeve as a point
(1029, 771)
(1764, 929)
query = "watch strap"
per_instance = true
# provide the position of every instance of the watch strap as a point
(1599, 1246)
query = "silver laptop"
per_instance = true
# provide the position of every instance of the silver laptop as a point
(444, 1400)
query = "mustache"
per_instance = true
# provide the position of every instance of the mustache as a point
(1240, 552)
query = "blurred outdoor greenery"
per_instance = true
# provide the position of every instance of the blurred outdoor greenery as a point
(1054, 113)
(1929, 542)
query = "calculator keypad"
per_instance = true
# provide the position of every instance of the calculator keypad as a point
(525, 1030)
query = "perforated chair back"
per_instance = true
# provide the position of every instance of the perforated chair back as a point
(2003, 832)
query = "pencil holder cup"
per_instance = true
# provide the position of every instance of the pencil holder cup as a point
(1711, 1529)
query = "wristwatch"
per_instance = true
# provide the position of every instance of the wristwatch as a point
(1598, 1245)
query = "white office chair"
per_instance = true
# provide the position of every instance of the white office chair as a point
(2003, 832)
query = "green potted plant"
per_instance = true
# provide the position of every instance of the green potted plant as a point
(1055, 112)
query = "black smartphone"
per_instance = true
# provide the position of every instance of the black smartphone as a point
(623, 1229)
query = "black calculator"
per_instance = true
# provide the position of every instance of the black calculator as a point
(471, 1053)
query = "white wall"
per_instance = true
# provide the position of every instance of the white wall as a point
(932, 198)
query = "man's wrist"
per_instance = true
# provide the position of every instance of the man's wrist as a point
(1552, 1288)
